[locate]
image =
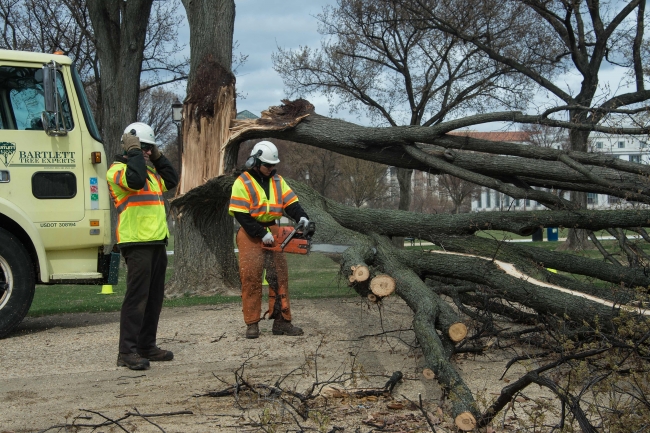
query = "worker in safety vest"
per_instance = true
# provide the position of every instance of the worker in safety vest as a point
(259, 197)
(137, 191)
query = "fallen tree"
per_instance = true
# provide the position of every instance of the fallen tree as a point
(463, 267)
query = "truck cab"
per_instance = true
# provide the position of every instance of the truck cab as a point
(55, 224)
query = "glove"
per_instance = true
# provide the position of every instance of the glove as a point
(304, 221)
(155, 153)
(130, 142)
(268, 239)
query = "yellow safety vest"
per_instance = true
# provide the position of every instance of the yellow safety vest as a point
(248, 196)
(140, 212)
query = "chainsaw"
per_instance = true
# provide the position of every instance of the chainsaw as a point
(294, 240)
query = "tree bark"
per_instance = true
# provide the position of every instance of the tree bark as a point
(204, 253)
(394, 146)
(120, 29)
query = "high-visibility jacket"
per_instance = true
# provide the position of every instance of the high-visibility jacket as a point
(140, 213)
(248, 196)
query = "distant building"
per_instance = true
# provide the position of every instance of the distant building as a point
(246, 115)
(625, 147)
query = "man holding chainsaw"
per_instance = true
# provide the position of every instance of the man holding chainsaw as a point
(259, 197)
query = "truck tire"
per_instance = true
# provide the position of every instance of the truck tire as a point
(17, 282)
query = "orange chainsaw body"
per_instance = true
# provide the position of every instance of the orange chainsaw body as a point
(296, 244)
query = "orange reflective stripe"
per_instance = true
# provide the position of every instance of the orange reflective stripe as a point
(252, 191)
(133, 200)
(277, 186)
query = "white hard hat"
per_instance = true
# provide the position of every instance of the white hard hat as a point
(143, 131)
(269, 153)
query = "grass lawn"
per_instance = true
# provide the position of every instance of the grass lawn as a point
(310, 276)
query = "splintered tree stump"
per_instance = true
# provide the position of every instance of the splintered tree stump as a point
(457, 332)
(359, 273)
(465, 421)
(382, 285)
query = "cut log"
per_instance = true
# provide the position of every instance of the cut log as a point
(428, 374)
(382, 285)
(359, 274)
(457, 332)
(465, 421)
(372, 297)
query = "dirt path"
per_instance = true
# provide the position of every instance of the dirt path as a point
(53, 367)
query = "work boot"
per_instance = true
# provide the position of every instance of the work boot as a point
(284, 327)
(133, 361)
(252, 330)
(156, 354)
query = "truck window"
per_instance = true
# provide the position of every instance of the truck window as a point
(22, 90)
(48, 185)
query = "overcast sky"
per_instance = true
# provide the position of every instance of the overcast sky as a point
(260, 27)
(263, 25)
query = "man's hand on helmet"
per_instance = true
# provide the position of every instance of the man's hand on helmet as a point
(268, 239)
(130, 142)
(155, 153)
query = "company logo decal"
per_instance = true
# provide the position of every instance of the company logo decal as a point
(45, 158)
(7, 151)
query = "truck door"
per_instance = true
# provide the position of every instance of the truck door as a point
(41, 174)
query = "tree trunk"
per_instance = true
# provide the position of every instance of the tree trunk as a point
(204, 253)
(577, 239)
(405, 190)
(120, 29)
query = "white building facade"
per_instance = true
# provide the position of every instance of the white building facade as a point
(625, 147)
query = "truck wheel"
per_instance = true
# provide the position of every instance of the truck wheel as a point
(17, 283)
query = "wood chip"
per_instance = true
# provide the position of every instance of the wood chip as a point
(428, 374)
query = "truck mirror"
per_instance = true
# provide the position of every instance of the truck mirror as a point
(52, 118)
(49, 87)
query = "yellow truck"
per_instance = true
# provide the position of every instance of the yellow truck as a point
(55, 224)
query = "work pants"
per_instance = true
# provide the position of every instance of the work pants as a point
(145, 289)
(252, 262)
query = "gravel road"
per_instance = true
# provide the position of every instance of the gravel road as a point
(53, 368)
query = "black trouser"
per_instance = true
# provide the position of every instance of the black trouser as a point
(145, 288)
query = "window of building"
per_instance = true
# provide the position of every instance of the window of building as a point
(480, 201)
(635, 158)
(497, 200)
(613, 200)
(592, 198)
(621, 145)
(599, 144)
(527, 202)
(506, 200)
(488, 199)
(517, 202)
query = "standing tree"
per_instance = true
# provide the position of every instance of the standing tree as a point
(362, 182)
(204, 255)
(582, 37)
(120, 29)
(457, 189)
(379, 62)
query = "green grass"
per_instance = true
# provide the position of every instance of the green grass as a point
(310, 276)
